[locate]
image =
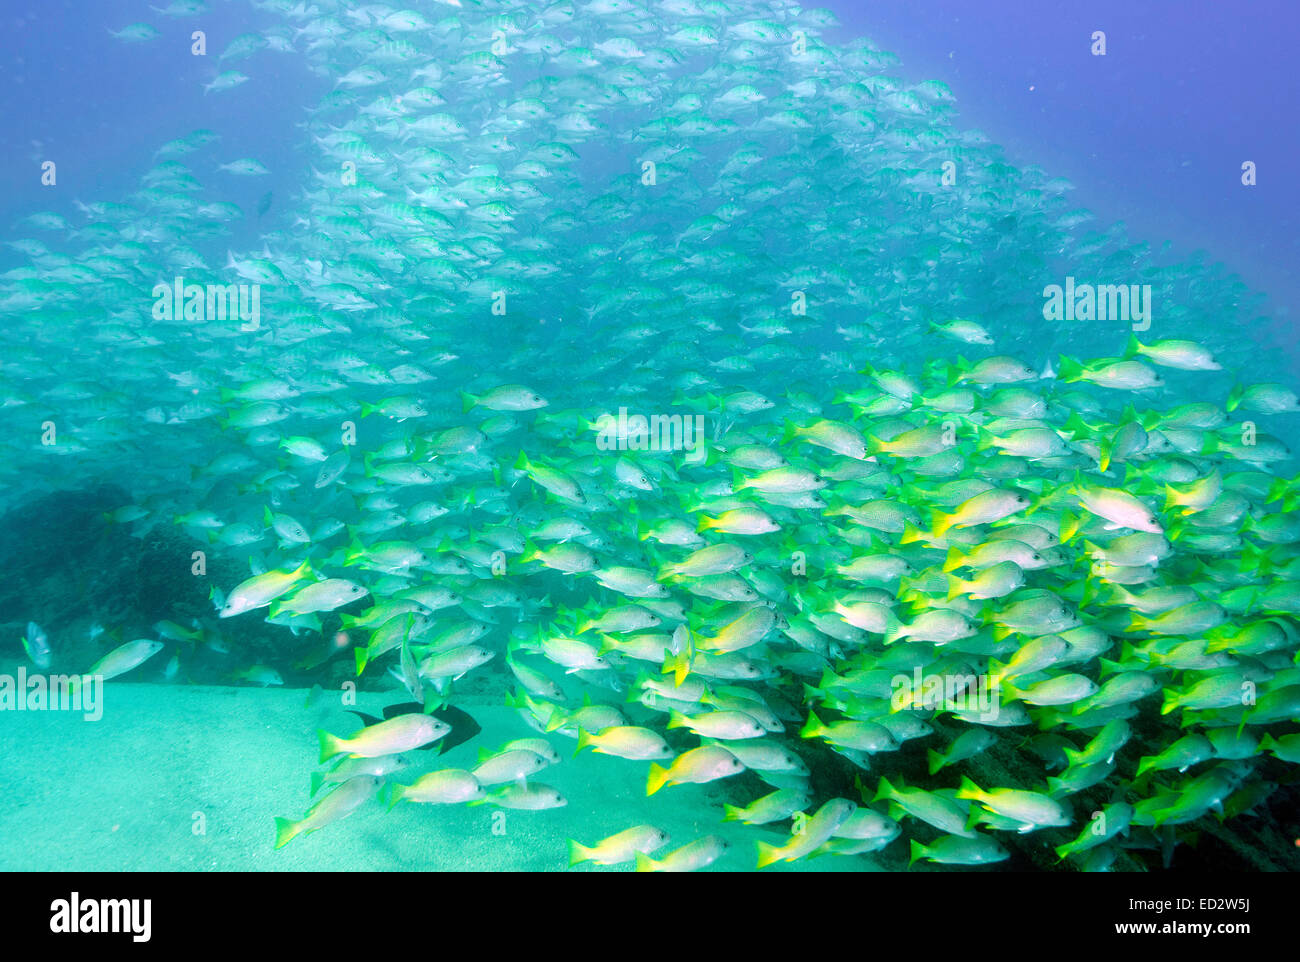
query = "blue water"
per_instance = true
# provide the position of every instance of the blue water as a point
(1152, 136)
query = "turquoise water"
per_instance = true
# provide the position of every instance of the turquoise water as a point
(696, 393)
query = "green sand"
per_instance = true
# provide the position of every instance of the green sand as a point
(124, 793)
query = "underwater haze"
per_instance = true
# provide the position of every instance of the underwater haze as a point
(666, 435)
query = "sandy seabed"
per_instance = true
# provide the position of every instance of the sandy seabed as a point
(188, 778)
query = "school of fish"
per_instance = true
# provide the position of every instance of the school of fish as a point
(685, 376)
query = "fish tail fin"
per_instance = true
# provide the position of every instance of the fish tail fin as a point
(679, 666)
(918, 851)
(957, 371)
(1104, 450)
(1070, 524)
(767, 854)
(329, 745)
(884, 790)
(578, 853)
(554, 721)
(1173, 497)
(894, 629)
(934, 760)
(968, 789)
(285, 831)
(656, 780)
(1077, 426)
(1073, 756)
(1255, 558)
